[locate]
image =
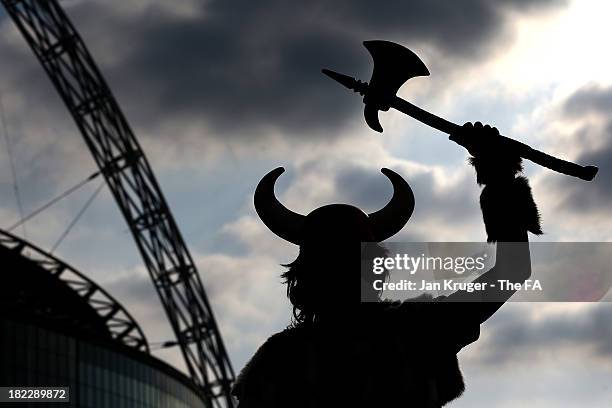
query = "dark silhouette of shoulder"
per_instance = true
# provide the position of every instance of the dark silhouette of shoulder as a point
(394, 354)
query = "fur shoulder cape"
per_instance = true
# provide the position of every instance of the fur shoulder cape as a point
(408, 364)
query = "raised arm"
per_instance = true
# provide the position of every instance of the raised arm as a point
(509, 213)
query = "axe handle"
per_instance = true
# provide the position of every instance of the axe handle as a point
(562, 166)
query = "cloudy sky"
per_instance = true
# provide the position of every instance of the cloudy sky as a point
(221, 92)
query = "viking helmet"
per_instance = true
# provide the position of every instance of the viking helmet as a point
(334, 221)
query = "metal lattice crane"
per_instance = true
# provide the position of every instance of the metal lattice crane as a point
(63, 55)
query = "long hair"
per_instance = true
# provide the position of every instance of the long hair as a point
(306, 275)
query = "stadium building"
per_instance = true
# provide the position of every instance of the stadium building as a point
(60, 329)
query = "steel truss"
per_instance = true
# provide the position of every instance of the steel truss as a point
(120, 324)
(69, 65)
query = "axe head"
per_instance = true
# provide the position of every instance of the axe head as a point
(393, 65)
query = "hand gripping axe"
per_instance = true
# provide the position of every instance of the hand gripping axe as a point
(394, 65)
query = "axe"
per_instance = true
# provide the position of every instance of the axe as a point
(394, 65)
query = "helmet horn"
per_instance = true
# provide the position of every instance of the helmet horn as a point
(389, 220)
(279, 219)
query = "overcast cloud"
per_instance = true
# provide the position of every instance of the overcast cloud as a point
(221, 92)
(245, 67)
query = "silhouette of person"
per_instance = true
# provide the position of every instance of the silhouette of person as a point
(340, 351)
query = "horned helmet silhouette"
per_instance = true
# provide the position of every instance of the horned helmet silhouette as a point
(334, 221)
